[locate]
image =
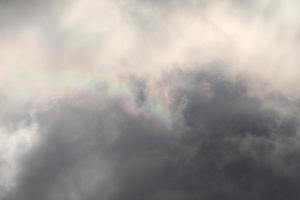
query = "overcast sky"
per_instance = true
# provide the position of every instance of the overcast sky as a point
(149, 99)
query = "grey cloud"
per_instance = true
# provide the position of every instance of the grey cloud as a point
(14, 113)
(227, 139)
(224, 144)
(15, 14)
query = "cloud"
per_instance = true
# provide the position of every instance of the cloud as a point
(147, 38)
(149, 100)
(224, 142)
(16, 14)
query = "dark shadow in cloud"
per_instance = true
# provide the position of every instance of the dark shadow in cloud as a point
(224, 144)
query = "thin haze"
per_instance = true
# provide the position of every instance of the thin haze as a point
(149, 99)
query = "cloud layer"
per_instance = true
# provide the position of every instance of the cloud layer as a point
(223, 142)
(150, 100)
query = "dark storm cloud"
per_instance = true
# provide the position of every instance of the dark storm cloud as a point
(225, 144)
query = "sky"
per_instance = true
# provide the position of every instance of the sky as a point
(149, 99)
